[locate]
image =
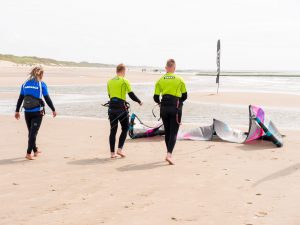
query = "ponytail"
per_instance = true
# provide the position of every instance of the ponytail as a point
(36, 73)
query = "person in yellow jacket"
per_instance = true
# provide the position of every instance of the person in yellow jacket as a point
(172, 88)
(117, 88)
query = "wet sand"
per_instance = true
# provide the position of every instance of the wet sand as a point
(16, 75)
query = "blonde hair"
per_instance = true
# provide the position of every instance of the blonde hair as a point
(121, 67)
(170, 63)
(36, 73)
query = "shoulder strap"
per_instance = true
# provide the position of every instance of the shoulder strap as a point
(41, 92)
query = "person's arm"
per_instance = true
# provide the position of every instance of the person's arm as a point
(156, 99)
(49, 102)
(48, 99)
(183, 97)
(19, 103)
(183, 91)
(134, 97)
(130, 93)
(157, 92)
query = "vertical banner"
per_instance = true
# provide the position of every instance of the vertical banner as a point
(218, 64)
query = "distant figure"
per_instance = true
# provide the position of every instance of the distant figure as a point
(173, 91)
(32, 92)
(117, 88)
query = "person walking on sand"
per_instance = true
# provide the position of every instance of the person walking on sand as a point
(174, 93)
(117, 88)
(32, 93)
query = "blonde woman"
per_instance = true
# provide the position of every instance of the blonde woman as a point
(32, 93)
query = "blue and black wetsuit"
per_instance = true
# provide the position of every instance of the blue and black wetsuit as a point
(34, 116)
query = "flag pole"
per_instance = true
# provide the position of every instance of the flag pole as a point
(218, 64)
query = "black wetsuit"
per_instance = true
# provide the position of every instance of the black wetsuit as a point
(33, 122)
(118, 112)
(171, 113)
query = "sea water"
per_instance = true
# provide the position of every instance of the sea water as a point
(86, 100)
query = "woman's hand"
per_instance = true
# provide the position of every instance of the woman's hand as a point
(54, 114)
(17, 115)
(141, 103)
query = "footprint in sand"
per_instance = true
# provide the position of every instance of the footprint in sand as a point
(209, 147)
(261, 214)
(187, 220)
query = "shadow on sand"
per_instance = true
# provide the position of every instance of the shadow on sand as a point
(93, 161)
(13, 161)
(147, 166)
(281, 173)
(151, 139)
(257, 145)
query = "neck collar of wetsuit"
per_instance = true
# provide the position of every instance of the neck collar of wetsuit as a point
(169, 74)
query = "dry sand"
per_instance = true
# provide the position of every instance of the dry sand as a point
(74, 182)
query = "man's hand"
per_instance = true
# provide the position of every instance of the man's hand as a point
(141, 103)
(17, 115)
(54, 114)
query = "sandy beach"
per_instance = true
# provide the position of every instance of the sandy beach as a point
(73, 182)
(213, 183)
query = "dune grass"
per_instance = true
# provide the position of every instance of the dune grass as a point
(33, 60)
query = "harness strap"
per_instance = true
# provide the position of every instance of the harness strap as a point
(41, 92)
(41, 98)
(177, 116)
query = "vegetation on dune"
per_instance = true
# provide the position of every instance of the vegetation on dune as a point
(32, 60)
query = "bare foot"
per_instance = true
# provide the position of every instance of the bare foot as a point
(29, 157)
(120, 153)
(36, 154)
(113, 155)
(169, 159)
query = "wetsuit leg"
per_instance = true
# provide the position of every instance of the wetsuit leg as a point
(174, 127)
(166, 122)
(124, 121)
(169, 118)
(113, 119)
(35, 121)
(28, 123)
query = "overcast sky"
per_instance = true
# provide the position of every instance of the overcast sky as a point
(255, 34)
